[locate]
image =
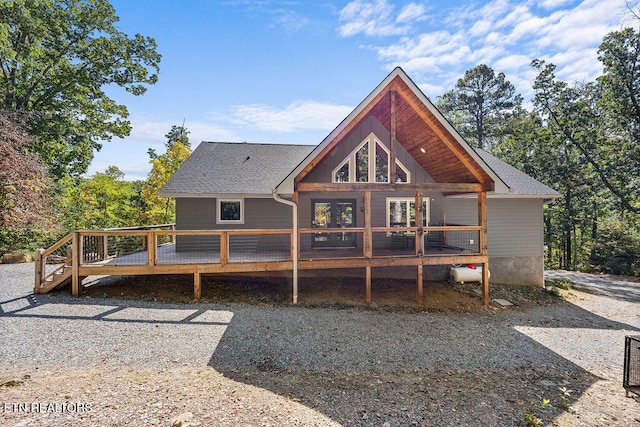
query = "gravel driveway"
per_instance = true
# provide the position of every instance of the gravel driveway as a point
(313, 366)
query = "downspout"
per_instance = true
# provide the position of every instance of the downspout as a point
(294, 243)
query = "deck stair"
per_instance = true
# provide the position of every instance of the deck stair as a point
(57, 279)
(54, 270)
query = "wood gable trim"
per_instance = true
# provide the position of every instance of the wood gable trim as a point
(374, 187)
(403, 109)
(409, 96)
(339, 137)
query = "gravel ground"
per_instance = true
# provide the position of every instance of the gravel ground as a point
(106, 361)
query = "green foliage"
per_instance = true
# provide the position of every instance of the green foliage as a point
(56, 59)
(616, 250)
(104, 200)
(531, 411)
(160, 210)
(481, 105)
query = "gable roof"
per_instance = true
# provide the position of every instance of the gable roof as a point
(228, 168)
(420, 128)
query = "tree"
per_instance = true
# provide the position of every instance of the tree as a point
(162, 210)
(480, 105)
(24, 182)
(577, 117)
(105, 200)
(56, 59)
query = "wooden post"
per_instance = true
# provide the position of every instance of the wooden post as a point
(419, 298)
(368, 236)
(368, 285)
(105, 247)
(197, 289)
(419, 225)
(151, 248)
(224, 248)
(39, 270)
(76, 283)
(482, 222)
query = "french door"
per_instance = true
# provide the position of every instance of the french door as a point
(333, 213)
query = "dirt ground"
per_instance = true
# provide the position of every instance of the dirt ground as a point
(392, 294)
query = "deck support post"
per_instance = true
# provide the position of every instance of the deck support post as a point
(39, 269)
(197, 289)
(368, 284)
(482, 222)
(419, 297)
(76, 281)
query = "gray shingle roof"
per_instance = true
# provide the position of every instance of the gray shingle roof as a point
(518, 182)
(234, 168)
(255, 169)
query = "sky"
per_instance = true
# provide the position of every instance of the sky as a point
(289, 71)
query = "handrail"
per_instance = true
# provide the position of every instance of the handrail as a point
(41, 275)
(57, 245)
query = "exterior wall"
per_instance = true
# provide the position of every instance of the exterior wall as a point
(323, 174)
(201, 214)
(515, 233)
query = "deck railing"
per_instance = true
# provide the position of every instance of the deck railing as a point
(162, 249)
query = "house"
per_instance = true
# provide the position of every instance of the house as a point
(392, 189)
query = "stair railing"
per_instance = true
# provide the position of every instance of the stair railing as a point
(43, 276)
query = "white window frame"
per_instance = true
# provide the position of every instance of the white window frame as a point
(219, 220)
(408, 200)
(372, 142)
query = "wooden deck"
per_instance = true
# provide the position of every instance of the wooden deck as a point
(163, 250)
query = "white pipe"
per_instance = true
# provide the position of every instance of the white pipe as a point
(294, 244)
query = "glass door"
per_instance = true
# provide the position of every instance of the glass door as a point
(337, 213)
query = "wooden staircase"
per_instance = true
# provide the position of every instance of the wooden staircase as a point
(60, 275)
(58, 279)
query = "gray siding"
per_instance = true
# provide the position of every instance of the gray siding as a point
(514, 226)
(200, 214)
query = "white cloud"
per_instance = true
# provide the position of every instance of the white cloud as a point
(375, 18)
(411, 13)
(152, 133)
(504, 34)
(297, 116)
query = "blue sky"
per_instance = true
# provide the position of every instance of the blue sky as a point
(289, 71)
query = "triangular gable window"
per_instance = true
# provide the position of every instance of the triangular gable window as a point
(357, 167)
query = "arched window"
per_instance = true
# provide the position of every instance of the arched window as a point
(358, 167)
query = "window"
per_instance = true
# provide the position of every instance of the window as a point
(401, 212)
(230, 211)
(369, 162)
